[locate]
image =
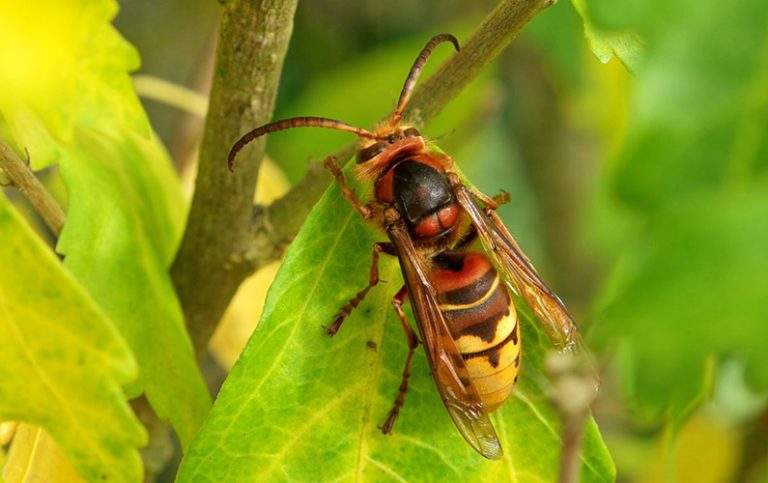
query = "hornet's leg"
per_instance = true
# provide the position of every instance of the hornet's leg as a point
(413, 343)
(373, 280)
(491, 203)
(502, 198)
(349, 195)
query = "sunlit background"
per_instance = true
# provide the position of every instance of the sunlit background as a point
(641, 196)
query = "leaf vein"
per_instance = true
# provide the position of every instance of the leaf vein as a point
(386, 469)
(436, 450)
(507, 458)
(372, 383)
(522, 397)
(318, 416)
(74, 422)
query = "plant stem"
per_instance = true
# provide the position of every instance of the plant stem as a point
(226, 238)
(574, 388)
(570, 457)
(23, 178)
(212, 259)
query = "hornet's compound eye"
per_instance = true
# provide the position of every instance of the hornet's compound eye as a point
(370, 152)
(411, 132)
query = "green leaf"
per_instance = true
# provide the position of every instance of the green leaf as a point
(63, 362)
(121, 231)
(626, 46)
(64, 71)
(300, 405)
(553, 33)
(690, 78)
(125, 209)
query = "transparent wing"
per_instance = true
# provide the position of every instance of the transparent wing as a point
(555, 319)
(445, 360)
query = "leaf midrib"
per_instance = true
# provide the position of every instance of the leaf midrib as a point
(255, 392)
(371, 388)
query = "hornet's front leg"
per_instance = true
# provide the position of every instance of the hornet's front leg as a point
(349, 195)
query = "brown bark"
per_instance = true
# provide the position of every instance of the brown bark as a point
(213, 256)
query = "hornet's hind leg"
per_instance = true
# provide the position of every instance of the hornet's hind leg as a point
(413, 343)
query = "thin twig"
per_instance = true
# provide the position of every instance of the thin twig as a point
(24, 179)
(570, 456)
(495, 32)
(574, 387)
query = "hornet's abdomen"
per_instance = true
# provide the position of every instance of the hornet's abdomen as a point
(483, 322)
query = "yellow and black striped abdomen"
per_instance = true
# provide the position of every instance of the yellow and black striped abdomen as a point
(483, 321)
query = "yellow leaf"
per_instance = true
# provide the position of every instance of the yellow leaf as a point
(244, 311)
(35, 456)
(706, 450)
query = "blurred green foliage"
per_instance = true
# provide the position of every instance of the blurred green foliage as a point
(66, 99)
(691, 178)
